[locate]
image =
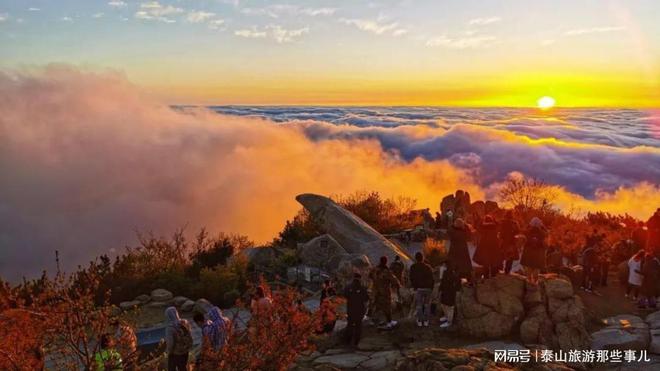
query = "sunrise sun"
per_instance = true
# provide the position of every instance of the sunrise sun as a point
(546, 102)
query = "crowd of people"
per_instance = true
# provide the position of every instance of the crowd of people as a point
(500, 247)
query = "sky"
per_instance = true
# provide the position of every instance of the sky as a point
(403, 52)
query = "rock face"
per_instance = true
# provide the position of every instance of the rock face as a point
(351, 232)
(353, 263)
(143, 298)
(548, 313)
(161, 295)
(202, 306)
(322, 252)
(622, 332)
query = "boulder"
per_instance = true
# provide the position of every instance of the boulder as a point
(129, 305)
(144, 298)
(202, 306)
(157, 304)
(653, 320)
(188, 306)
(179, 300)
(447, 204)
(381, 360)
(570, 336)
(533, 296)
(616, 338)
(537, 328)
(351, 264)
(351, 232)
(373, 343)
(161, 295)
(346, 360)
(322, 252)
(557, 288)
(654, 346)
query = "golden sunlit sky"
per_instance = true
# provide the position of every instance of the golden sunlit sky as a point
(405, 52)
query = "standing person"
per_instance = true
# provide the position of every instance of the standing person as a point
(653, 233)
(650, 277)
(356, 308)
(639, 236)
(397, 268)
(533, 256)
(201, 350)
(459, 255)
(450, 284)
(178, 340)
(590, 261)
(508, 231)
(604, 261)
(107, 358)
(634, 275)
(421, 279)
(328, 312)
(127, 344)
(260, 301)
(488, 253)
(384, 284)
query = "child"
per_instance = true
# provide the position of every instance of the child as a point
(449, 286)
(634, 276)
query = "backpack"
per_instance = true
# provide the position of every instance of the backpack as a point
(183, 341)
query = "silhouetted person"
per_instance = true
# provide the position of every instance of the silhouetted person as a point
(450, 284)
(397, 268)
(178, 340)
(356, 307)
(459, 255)
(421, 279)
(488, 253)
(384, 283)
(533, 256)
(508, 231)
(329, 316)
(650, 277)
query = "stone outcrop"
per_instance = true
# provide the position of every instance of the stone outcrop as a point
(353, 263)
(322, 252)
(161, 295)
(548, 313)
(128, 305)
(628, 331)
(351, 232)
(202, 306)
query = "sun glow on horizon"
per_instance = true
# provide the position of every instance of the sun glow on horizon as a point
(546, 102)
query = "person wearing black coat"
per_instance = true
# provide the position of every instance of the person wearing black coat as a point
(488, 253)
(459, 255)
(356, 307)
(508, 231)
(650, 278)
(534, 253)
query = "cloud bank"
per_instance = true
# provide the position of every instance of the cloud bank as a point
(87, 159)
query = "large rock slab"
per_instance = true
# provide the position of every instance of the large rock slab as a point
(144, 298)
(351, 232)
(161, 295)
(558, 288)
(179, 300)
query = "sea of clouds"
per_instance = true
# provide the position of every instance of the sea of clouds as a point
(87, 159)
